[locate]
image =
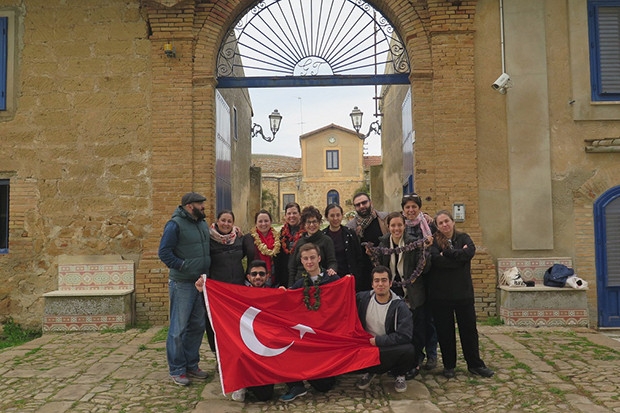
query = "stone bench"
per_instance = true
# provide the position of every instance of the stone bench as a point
(540, 305)
(94, 293)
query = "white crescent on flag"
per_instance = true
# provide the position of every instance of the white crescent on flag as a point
(246, 328)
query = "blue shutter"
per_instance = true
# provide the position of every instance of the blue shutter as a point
(612, 229)
(4, 39)
(604, 22)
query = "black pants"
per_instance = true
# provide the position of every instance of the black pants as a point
(262, 393)
(419, 334)
(399, 359)
(322, 385)
(444, 313)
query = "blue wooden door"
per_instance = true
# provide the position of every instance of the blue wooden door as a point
(607, 237)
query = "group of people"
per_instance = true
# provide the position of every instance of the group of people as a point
(412, 279)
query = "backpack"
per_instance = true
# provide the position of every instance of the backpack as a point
(556, 275)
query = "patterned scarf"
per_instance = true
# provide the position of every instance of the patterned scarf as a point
(363, 222)
(226, 239)
(287, 239)
(426, 231)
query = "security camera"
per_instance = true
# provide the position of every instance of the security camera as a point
(501, 84)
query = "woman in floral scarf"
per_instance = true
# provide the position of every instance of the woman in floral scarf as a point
(263, 243)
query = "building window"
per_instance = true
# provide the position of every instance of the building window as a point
(604, 27)
(4, 216)
(333, 197)
(8, 30)
(4, 43)
(286, 199)
(332, 159)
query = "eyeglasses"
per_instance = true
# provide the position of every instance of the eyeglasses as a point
(313, 222)
(359, 204)
(412, 197)
(258, 273)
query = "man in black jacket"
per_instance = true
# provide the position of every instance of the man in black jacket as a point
(387, 317)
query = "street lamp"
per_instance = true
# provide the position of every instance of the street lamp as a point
(274, 123)
(356, 120)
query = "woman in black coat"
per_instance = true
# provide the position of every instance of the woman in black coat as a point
(451, 293)
(346, 244)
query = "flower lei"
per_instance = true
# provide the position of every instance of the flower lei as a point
(286, 237)
(261, 245)
(317, 293)
(377, 252)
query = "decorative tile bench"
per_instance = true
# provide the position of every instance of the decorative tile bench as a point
(94, 293)
(540, 305)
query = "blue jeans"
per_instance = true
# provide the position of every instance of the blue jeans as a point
(187, 326)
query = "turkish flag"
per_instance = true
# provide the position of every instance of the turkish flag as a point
(267, 336)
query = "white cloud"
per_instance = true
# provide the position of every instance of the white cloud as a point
(309, 108)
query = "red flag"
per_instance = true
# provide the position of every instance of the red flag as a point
(267, 336)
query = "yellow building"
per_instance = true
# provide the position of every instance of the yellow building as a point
(331, 169)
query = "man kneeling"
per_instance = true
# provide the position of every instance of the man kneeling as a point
(387, 318)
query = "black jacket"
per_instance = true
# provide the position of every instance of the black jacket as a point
(450, 276)
(328, 256)
(416, 292)
(398, 320)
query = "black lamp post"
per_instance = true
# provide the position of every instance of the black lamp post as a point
(274, 123)
(356, 120)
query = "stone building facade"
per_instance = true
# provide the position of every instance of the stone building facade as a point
(331, 168)
(103, 131)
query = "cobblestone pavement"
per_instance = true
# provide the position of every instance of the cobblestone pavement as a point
(537, 370)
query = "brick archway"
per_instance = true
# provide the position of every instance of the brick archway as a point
(439, 39)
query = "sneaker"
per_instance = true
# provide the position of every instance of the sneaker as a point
(449, 373)
(430, 364)
(294, 393)
(239, 395)
(198, 374)
(411, 374)
(400, 385)
(481, 371)
(364, 382)
(181, 380)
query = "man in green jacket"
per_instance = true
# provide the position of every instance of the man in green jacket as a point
(184, 248)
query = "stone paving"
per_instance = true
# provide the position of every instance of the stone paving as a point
(537, 370)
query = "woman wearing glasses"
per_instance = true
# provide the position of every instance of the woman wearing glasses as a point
(311, 222)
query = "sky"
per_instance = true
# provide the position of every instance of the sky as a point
(307, 109)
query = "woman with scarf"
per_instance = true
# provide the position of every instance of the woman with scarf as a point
(227, 253)
(346, 244)
(450, 293)
(263, 243)
(311, 223)
(289, 235)
(420, 226)
(406, 259)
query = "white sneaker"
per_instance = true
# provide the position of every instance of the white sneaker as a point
(400, 385)
(239, 395)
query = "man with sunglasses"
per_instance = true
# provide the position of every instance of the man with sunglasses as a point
(256, 276)
(369, 224)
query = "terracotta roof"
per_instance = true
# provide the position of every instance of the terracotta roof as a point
(276, 163)
(372, 160)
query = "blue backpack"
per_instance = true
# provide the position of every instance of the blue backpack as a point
(556, 275)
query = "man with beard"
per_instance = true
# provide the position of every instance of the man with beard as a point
(184, 248)
(369, 225)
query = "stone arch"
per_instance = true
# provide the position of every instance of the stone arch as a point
(437, 35)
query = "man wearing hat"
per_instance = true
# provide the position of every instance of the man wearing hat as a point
(184, 248)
